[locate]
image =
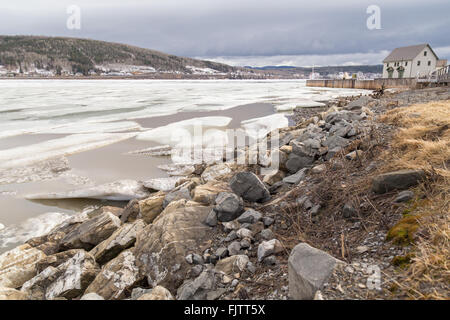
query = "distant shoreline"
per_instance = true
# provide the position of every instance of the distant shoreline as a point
(168, 77)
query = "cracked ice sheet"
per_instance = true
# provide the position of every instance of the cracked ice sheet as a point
(260, 127)
(26, 155)
(171, 133)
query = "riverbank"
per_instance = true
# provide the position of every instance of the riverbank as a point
(225, 231)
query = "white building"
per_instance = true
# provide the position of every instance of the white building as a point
(411, 62)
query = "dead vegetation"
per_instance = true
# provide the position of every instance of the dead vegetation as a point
(423, 142)
(413, 137)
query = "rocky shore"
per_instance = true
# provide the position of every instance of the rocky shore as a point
(316, 228)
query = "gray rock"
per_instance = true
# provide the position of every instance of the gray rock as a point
(309, 269)
(244, 233)
(196, 270)
(268, 221)
(194, 258)
(228, 206)
(211, 219)
(359, 103)
(250, 216)
(404, 196)
(295, 162)
(348, 211)
(198, 288)
(234, 248)
(245, 243)
(251, 267)
(231, 236)
(398, 180)
(221, 252)
(181, 192)
(249, 186)
(297, 177)
(331, 153)
(267, 234)
(270, 261)
(315, 210)
(335, 141)
(267, 248)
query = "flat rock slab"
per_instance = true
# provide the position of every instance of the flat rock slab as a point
(91, 232)
(123, 190)
(161, 247)
(123, 238)
(398, 180)
(68, 280)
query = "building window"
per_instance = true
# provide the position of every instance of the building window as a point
(418, 63)
(424, 53)
(429, 63)
(406, 63)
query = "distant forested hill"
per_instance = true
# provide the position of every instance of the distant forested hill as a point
(84, 55)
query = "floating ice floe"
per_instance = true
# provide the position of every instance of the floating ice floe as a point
(165, 150)
(21, 156)
(259, 127)
(122, 190)
(301, 104)
(162, 184)
(186, 131)
(30, 228)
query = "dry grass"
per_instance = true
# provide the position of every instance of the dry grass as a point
(424, 142)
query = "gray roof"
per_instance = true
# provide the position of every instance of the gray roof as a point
(406, 53)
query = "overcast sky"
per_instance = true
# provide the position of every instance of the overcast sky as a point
(244, 32)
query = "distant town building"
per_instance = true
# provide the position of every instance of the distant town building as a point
(411, 62)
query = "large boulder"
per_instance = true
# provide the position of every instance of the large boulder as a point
(228, 206)
(398, 180)
(309, 268)
(19, 265)
(161, 247)
(123, 238)
(248, 186)
(116, 277)
(296, 163)
(68, 280)
(151, 207)
(91, 232)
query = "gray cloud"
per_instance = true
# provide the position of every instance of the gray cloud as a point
(238, 30)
